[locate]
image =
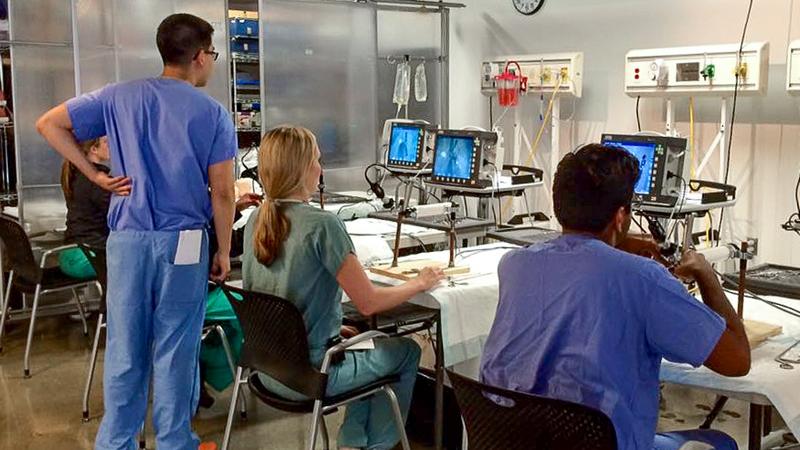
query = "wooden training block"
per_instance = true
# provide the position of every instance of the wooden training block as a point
(408, 270)
(758, 332)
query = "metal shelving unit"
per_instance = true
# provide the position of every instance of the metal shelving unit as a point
(245, 98)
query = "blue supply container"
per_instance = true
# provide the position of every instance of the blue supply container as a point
(249, 46)
(244, 27)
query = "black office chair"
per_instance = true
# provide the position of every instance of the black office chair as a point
(32, 278)
(520, 421)
(276, 344)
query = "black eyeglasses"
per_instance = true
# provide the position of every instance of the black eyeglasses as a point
(215, 55)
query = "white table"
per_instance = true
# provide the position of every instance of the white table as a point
(766, 384)
(468, 305)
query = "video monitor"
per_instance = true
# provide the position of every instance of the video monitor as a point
(406, 146)
(459, 156)
(455, 157)
(661, 161)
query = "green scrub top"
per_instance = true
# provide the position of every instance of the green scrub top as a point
(305, 270)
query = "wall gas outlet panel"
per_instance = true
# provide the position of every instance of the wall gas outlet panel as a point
(697, 71)
(793, 69)
(544, 72)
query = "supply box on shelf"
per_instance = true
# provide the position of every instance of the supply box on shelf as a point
(244, 46)
(243, 27)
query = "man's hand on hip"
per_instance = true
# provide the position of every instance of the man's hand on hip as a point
(117, 185)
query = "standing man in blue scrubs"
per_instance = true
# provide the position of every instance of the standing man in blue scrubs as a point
(583, 321)
(170, 143)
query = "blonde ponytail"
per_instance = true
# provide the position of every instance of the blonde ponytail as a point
(284, 158)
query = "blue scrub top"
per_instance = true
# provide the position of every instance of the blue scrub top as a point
(581, 321)
(164, 134)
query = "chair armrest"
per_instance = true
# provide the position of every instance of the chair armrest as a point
(344, 345)
(54, 251)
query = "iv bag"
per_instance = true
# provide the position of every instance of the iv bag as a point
(420, 83)
(402, 84)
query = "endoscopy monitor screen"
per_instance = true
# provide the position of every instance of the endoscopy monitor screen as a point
(454, 158)
(661, 164)
(404, 143)
(645, 152)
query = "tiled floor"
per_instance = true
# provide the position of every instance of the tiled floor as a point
(44, 412)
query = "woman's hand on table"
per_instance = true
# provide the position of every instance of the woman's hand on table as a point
(429, 277)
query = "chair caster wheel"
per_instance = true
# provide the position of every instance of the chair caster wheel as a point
(85, 417)
(27, 373)
(243, 415)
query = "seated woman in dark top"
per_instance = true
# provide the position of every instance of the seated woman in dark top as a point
(87, 208)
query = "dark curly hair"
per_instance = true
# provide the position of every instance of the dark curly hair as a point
(591, 184)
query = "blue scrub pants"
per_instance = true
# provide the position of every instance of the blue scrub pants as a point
(155, 318)
(674, 440)
(369, 423)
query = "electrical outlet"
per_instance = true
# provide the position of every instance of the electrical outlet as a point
(564, 74)
(547, 75)
(752, 246)
(741, 70)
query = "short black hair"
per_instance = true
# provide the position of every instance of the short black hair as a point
(181, 36)
(591, 184)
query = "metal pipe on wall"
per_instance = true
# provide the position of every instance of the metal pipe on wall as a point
(444, 102)
(18, 187)
(76, 52)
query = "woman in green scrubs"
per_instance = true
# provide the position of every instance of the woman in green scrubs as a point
(304, 254)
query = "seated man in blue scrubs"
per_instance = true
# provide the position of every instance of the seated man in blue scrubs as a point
(583, 321)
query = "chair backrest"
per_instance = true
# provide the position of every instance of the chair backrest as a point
(276, 341)
(522, 421)
(20, 254)
(97, 258)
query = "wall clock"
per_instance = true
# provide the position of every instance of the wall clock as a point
(528, 7)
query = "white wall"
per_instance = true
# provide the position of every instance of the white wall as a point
(765, 159)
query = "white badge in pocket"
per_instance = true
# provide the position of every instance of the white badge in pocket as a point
(189, 246)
